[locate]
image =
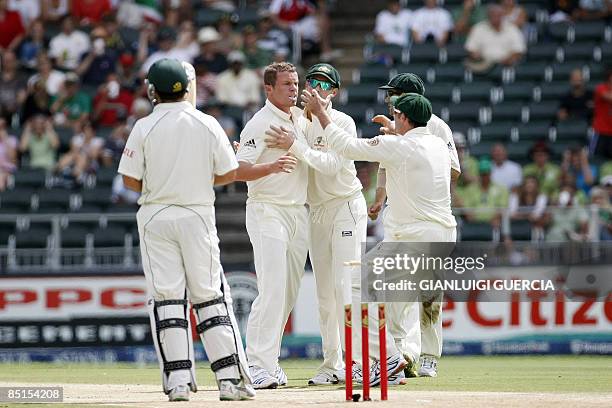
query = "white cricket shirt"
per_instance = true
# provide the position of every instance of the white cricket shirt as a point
(176, 151)
(279, 188)
(418, 174)
(330, 176)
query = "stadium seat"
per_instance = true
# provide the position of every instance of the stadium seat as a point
(98, 196)
(606, 52)
(542, 52)
(422, 70)
(74, 236)
(382, 51)
(34, 237)
(476, 91)
(572, 130)
(559, 148)
(534, 130)
(454, 52)
(448, 73)
(507, 111)
(477, 231)
(357, 111)
(20, 198)
(559, 31)
(364, 93)
(520, 230)
(7, 228)
(545, 110)
(496, 131)
(481, 149)
(374, 73)
(208, 17)
(420, 53)
(56, 200)
(553, 90)
(464, 111)
(461, 126)
(111, 236)
(105, 176)
(518, 92)
(65, 136)
(440, 92)
(561, 72)
(518, 151)
(122, 208)
(530, 71)
(597, 71)
(589, 31)
(578, 52)
(28, 177)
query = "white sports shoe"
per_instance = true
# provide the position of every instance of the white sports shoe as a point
(262, 378)
(357, 373)
(395, 364)
(235, 390)
(428, 366)
(179, 393)
(324, 378)
(397, 379)
(280, 375)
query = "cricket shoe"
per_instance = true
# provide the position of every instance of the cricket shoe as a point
(234, 389)
(262, 378)
(280, 375)
(179, 393)
(397, 379)
(357, 373)
(395, 364)
(428, 366)
(324, 378)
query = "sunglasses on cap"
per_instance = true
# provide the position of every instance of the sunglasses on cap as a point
(394, 92)
(324, 85)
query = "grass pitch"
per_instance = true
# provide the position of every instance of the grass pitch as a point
(476, 381)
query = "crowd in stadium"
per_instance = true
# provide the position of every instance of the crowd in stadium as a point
(72, 71)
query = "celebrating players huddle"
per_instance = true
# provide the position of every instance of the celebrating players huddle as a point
(303, 197)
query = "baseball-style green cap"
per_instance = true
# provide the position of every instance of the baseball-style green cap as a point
(484, 166)
(416, 107)
(168, 76)
(406, 82)
(325, 70)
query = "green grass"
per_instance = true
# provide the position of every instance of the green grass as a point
(511, 374)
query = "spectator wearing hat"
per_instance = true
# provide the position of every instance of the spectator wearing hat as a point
(393, 24)
(40, 142)
(576, 162)
(602, 116)
(100, 61)
(505, 172)
(256, 57)
(431, 22)
(485, 199)
(237, 85)
(70, 105)
(69, 45)
(494, 41)
(209, 53)
(12, 86)
(11, 27)
(112, 102)
(542, 169)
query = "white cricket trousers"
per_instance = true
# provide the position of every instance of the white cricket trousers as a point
(337, 231)
(279, 236)
(412, 336)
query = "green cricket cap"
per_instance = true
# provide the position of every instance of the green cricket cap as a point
(168, 76)
(406, 82)
(415, 106)
(326, 71)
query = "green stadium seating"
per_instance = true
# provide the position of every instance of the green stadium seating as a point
(581, 52)
(373, 73)
(477, 91)
(364, 93)
(545, 110)
(464, 111)
(448, 73)
(507, 111)
(520, 230)
(534, 130)
(559, 31)
(589, 31)
(476, 232)
(496, 131)
(29, 177)
(518, 92)
(572, 130)
(543, 52)
(420, 53)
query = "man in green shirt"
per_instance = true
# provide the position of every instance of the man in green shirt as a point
(605, 169)
(70, 105)
(485, 199)
(465, 17)
(547, 173)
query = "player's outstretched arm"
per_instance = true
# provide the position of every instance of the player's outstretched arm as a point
(229, 177)
(248, 172)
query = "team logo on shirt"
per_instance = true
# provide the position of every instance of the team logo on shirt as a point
(373, 141)
(319, 142)
(347, 233)
(251, 144)
(450, 146)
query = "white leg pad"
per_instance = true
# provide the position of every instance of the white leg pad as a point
(171, 331)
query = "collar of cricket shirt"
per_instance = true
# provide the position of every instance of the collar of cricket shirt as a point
(283, 115)
(172, 105)
(419, 131)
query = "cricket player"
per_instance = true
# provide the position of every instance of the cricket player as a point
(338, 213)
(425, 342)
(174, 156)
(418, 169)
(276, 221)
